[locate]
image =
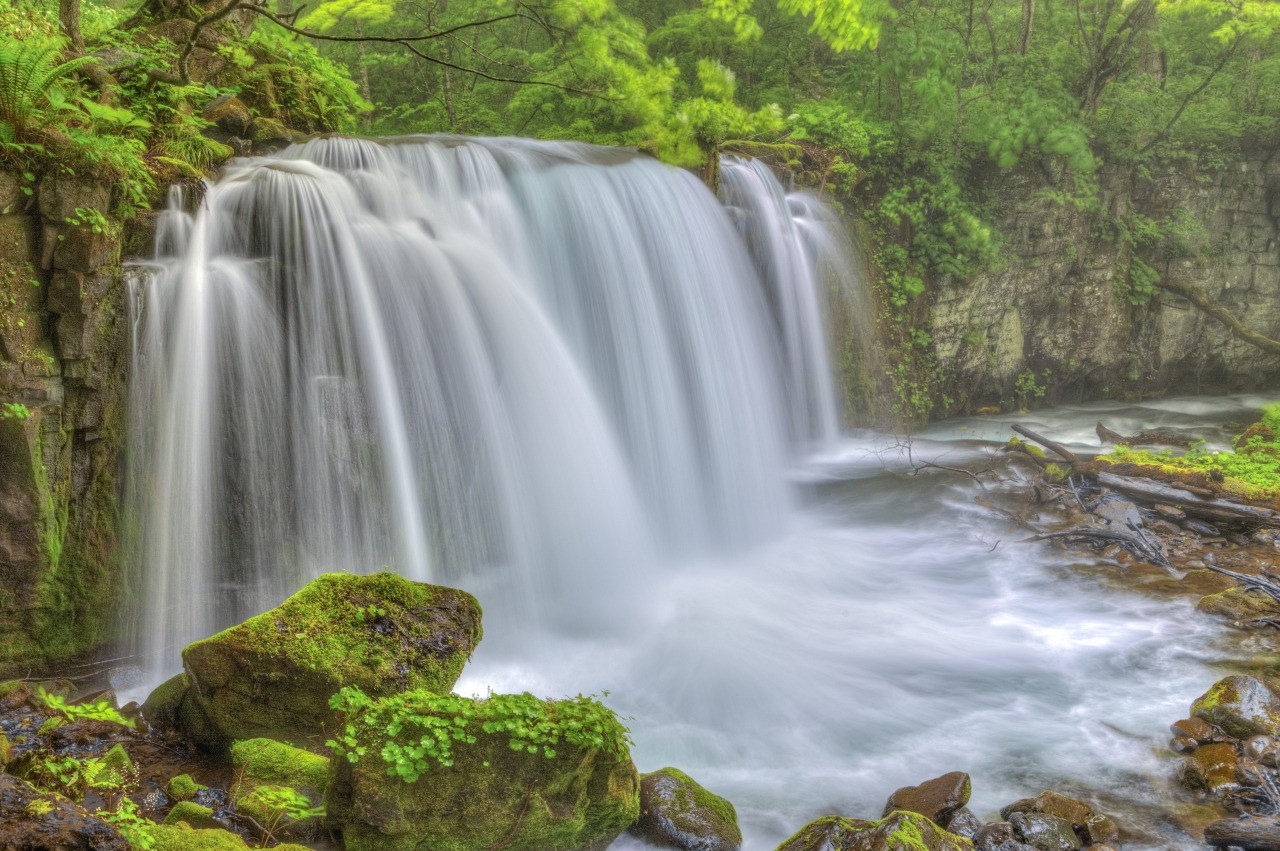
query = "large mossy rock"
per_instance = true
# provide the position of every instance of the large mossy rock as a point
(272, 676)
(899, 831)
(937, 800)
(1240, 707)
(676, 812)
(272, 778)
(428, 772)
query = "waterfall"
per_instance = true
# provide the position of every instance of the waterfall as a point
(540, 367)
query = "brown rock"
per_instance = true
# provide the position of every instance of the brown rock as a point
(1101, 830)
(1210, 768)
(937, 799)
(1238, 605)
(1051, 804)
(230, 114)
(1196, 729)
(31, 820)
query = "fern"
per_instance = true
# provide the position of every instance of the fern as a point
(29, 71)
(198, 152)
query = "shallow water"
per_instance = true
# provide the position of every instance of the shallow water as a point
(900, 631)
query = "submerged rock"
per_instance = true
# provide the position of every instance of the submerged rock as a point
(900, 831)
(1241, 707)
(31, 820)
(1239, 605)
(509, 771)
(937, 799)
(272, 676)
(676, 812)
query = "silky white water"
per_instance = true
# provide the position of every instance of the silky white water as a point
(574, 382)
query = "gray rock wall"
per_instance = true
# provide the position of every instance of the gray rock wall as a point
(1057, 314)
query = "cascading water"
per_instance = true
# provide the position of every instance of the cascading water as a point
(534, 368)
(569, 380)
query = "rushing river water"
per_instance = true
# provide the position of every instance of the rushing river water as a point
(574, 383)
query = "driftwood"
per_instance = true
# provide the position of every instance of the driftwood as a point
(1134, 541)
(1142, 438)
(1252, 834)
(1191, 503)
(1057, 448)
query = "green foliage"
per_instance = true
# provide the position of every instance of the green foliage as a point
(14, 411)
(422, 729)
(30, 71)
(97, 711)
(1029, 388)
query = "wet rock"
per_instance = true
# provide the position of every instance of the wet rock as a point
(937, 799)
(998, 836)
(1239, 605)
(191, 813)
(1183, 745)
(580, 794)
(1045, 832)
(901, 831)
(1252, 834)
(162, 706)
(1051, 804)
(1118, 512)
(1261, 749)
(31, 820)
(272, 778)
(1170, 512)
(1100, 830)
(1210, 768)
(1197, 729)
(964, 823)
(272, 676)
(230, 114)
(268, 134)
(676, 812)
(1241, 707)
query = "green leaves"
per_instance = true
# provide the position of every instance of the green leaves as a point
(29, 72)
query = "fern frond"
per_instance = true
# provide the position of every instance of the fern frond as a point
(28, 71)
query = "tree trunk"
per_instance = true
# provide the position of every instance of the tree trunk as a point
(1028, 17)
(69, 18)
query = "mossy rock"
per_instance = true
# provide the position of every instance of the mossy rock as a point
(1050, 803)
(937, 799)
(279, 811)
(229, 113)
(676, 812)
(162, 707)
(263, 761)
(272, 676)
(1240, 707)
(1210, 768)
(1239, 605)
(183, 787)
(578, 789)
(899, 831)
(183, 837)
(191, 813)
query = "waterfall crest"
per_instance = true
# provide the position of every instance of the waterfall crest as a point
(544, 367)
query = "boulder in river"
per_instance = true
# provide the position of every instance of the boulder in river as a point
(272, 676)
(1210, 767)
(937, 799)
(1045, 832)
(1239, 605)
(1252, 834)
(1240, 706)
(423, 770)
(676, 812)
(899, 831)
(998, 836)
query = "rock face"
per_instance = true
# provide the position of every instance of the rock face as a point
(937, 800)
(900, 831)
(675, 812)
(520, 774)
(1059, 308)
(31, 820)
(1240, 707)
(63, 349)
(272, 676)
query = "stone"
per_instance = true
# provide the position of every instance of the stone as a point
(161, 708)
(1052, 804)
(1183, 745)
(272, 676)
(1196, 729)
(1240, 706)
(1101, 830)
(1045, 832)
(489, 789)
(1239, 605)
(1210, 768)
(676, 812)
(900, 831)
(964, 823)
(272, 780)
(191, 813)
(997, 836)
(183, 787)
(1259, 833)
(12, 198)
(61, 195)
(31, 820)
(937, 799)
(230, 114)
(267, 133)
(1260, 749)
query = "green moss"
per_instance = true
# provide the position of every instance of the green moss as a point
(183, 787)
(530, 780)
(899, 831)
(263, 761)
(191, 813)
(181, 837)
(162, 707)
(272, 675)
(1241, 707)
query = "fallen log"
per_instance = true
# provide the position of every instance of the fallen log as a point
(1057, 448)
(1138, 544)
(1253, 834)
(1189, 502)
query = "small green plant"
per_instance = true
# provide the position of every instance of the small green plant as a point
(138, 830)
(1028, 388)
(421, 730)
(97, 711)
(370, 613)
(88, 217)
(29, 73)
(14, 411)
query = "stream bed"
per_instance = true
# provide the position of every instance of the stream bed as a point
(900, 631)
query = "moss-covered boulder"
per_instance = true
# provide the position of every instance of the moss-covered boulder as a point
(899, 831)
(1240, 707)
(183, 837)
(192, 814)
(428, 772)
(32, 820)
(279, 787)
(272, 676)
(1239, 605)
(183, 787)
(937, 800)
(676, 812)
(162, 707)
